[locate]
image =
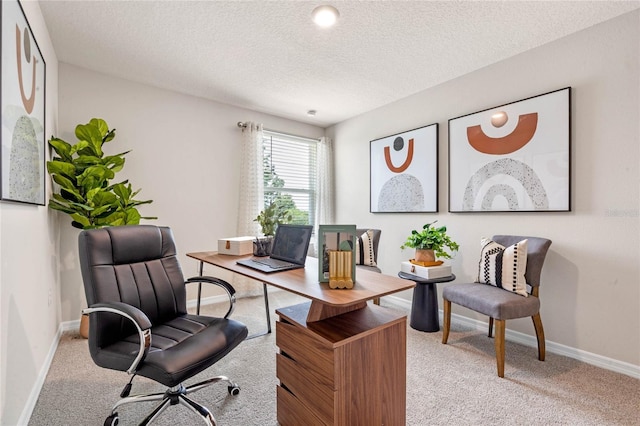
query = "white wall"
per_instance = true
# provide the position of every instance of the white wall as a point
(590, 283)
(29, 303)
(185, 157)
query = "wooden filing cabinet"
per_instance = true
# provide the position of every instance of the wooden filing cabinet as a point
(345, 370)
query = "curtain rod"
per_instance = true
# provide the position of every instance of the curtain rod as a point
(243, 126)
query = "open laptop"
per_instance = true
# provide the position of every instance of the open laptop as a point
(288, 250)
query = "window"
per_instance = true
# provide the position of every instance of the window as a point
(290, 174)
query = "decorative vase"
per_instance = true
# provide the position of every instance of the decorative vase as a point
(425, 255)
(262, 246)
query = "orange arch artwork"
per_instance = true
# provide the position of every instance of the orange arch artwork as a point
(519, 137)
(514, 157)
(407, 161)
(404, 171)
(23, 110)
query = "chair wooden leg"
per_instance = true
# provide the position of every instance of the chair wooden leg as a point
(537, 323)
(446, 316)
(499, 344)
(490, 327)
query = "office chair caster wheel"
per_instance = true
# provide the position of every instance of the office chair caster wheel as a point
(112, 420)
(234, 390)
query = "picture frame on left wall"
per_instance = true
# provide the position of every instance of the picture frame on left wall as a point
(404, 172)
(22, 103)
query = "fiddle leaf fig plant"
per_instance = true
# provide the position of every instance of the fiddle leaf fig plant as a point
(431, 238)
(84, 175)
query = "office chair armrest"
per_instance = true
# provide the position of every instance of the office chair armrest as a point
(137, 317)
(231, 292)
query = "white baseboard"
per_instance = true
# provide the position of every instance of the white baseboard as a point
(528, 340)
(37, 386)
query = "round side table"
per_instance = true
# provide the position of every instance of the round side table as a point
(424, 307)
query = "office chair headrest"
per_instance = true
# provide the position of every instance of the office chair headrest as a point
(129, 244)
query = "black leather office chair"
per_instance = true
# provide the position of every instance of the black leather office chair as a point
(138, 320)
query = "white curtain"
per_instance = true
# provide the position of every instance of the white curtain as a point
(325, 204)
(251, 180)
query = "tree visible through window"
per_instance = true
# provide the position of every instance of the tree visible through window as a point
(289, 175)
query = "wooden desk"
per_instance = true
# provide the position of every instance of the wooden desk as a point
(342, 361)
(325, 302)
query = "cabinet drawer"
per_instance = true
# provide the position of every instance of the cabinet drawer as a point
(308, 351)
(291, 412)
(313, 391)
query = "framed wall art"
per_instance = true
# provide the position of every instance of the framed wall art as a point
(22, 94)
(404, 172)
(514, 157)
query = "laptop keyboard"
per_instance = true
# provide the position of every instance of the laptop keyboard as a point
(273, 263)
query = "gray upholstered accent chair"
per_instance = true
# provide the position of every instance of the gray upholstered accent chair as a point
(376, 241)
(501, 305)
(138, 320)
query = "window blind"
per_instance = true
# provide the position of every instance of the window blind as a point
(289, 174)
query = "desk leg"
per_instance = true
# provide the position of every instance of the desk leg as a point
(424, 308)
(200, 269)
(266, 308)
(266, 304)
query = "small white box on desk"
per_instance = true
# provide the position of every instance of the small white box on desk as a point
(427, 272)
(236, 246)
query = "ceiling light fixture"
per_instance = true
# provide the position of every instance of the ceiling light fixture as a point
(325, 16)
(311, 113)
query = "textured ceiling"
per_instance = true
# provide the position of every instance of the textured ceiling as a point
(268, 56)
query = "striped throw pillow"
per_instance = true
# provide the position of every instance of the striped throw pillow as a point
(504, 267)
(364, 249)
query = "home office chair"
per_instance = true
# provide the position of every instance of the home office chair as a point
(499, 304)
(368, 242)
(138, 321)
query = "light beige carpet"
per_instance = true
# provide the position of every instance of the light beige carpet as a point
(453, 384)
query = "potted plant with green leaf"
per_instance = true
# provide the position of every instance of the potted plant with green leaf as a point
(430, 243)
(84, 176)
(269, 219)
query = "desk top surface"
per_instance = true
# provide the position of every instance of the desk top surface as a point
(304, 282)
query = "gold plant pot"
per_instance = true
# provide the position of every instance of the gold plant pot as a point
(424, 255)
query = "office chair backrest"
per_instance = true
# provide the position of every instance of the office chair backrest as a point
(132, 264)
(536, 251)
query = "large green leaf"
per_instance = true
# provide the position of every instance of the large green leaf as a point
(66, 184)
(79, 147)
(62, 167)
(62, 207)
(104, 198)
(62, 148)
(91, 133)
(81, 219)
(94, 176)
(109, 136)
(100, 125)
(123, 191)
(114, 162)
(133, 216)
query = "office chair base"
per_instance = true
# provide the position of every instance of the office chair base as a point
(173, 396)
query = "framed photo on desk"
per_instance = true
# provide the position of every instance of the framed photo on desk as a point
(336, 238)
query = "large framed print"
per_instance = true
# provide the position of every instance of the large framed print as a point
(513, 157)
(22, 94)
(404, 172)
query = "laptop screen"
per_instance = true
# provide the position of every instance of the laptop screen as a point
(291, 243)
